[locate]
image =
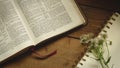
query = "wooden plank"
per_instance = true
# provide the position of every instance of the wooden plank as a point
(96, 19)
(109, 5)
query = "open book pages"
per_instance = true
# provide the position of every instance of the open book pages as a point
(27, 22)
(112, 29)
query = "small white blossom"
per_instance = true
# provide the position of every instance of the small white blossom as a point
(86, 38)
(96, 47)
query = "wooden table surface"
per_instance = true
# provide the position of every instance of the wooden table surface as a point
(69, 50)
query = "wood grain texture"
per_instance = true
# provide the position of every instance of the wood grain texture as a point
(69, 50)
(108, 5)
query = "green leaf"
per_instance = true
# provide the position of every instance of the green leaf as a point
(110, 42)
(104, 36)
(100, 42)
(108, 60)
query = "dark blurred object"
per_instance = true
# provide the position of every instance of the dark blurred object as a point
(108, 5)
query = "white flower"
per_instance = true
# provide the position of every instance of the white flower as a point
(96, 47)
(86, 38)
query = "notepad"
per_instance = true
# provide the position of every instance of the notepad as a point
(113, 31)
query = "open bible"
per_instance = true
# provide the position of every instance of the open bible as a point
(28, 22)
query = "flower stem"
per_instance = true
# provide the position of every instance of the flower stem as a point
(101, 63)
